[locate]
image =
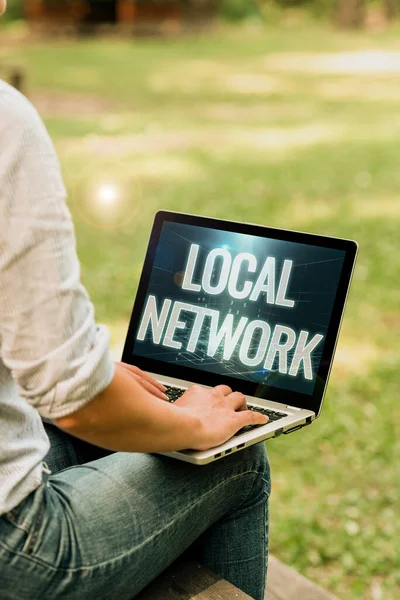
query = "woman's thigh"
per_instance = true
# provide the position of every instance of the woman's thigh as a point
(110, 526)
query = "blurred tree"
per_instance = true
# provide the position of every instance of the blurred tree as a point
(351, 13)
(391, 9)
(237, 10)
(346, 13)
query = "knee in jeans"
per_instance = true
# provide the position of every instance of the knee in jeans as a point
(253, 458)
(257, 455)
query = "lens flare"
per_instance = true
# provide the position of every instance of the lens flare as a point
(107, 198)
(108, 194)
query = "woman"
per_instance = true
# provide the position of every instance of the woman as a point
(101, 517)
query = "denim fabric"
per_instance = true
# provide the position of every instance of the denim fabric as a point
(104, 529)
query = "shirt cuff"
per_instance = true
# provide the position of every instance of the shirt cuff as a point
(94, 376)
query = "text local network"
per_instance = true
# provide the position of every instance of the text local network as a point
(274, 342)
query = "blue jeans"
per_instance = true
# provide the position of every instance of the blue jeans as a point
(104, 525)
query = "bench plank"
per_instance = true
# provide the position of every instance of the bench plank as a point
(190, 581)
(284, 583)
(185, 580)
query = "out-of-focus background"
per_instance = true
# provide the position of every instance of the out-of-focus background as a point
(285, 113)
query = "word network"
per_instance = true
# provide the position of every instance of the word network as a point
(257, 343)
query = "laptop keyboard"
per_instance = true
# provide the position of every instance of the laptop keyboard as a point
(273, 415)
(173, 393)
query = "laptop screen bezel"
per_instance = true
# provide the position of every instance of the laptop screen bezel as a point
(289, 397)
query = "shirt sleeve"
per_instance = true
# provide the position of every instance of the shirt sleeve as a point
(49, 340)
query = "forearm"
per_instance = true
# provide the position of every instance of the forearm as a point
(125, 417)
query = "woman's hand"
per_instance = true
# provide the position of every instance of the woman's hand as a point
(221, 413)
(126, 417)
(145, 380)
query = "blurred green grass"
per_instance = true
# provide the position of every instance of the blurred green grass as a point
(219, 126)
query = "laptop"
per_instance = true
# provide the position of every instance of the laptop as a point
(253, 307)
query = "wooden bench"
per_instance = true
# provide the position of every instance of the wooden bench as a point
(192, 581)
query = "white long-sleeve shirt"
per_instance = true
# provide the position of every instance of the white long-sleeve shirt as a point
(53, 357)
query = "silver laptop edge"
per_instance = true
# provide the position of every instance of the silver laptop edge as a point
(295, 419)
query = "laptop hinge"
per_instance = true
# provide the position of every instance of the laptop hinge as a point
(293, 407)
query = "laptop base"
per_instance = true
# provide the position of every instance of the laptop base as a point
(295, 419)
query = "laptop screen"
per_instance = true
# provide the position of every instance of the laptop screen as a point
(238, 305)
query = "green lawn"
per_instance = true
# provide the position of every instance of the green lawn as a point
(258, 125)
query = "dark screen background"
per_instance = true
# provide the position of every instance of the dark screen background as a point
(313, 284)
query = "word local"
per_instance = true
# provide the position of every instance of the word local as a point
(256, 342)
